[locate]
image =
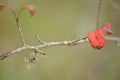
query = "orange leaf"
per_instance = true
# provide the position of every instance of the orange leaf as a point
(1, 7)
(31, 9)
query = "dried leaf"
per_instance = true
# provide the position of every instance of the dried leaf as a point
(31, 9)
(1, 7)
(97, 39)
(9, 6)
(107, 28)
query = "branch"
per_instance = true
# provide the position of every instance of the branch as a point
(115, 39)
(50, 44)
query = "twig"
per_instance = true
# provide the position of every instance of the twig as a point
(98, 13)
(115, 39)
(49, 44)
(38, 47)
(39, 40)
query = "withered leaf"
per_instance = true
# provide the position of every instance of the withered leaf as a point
(9, 6)
(1, 7)
(31, 9)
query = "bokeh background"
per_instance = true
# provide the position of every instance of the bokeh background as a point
(58, 20)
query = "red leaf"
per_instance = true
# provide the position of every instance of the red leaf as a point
(9, 6)
(31, 9)
(107, 28)
(97, 39)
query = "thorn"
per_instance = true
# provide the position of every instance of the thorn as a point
(41, 52)
(39, 40)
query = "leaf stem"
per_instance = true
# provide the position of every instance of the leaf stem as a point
(20, 32)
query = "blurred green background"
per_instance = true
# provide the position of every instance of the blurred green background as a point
(58, 20)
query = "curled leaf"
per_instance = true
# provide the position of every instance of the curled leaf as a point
(97, 39)
(107, 28)
(31, 9)
(9, 6)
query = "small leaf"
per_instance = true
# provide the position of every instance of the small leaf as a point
(31, 9)
(9, 6)
(107, 28)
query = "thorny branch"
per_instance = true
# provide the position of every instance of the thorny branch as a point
(38, 48)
